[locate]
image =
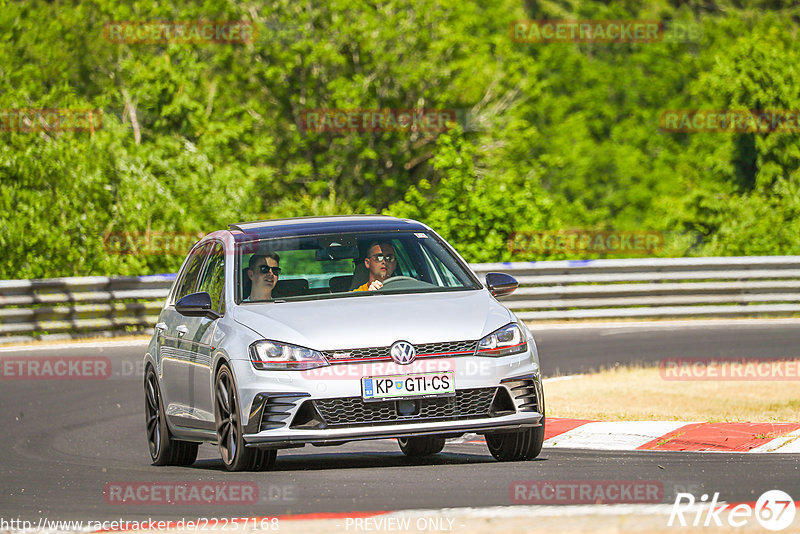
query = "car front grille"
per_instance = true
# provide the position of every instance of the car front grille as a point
(446, 348)
(349, 411)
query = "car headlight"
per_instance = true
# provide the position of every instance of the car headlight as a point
(269, 355)
(503, 342)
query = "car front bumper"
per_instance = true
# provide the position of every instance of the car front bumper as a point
(502, 394)
(292, 437)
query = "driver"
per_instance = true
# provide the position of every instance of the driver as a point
(381, 263)
(263, 271)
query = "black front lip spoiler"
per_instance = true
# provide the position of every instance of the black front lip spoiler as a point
(338, 436)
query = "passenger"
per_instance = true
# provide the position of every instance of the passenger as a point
(263, 271)
(381, 263)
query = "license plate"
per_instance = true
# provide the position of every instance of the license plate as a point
(421, 385)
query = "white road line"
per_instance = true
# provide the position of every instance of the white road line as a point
(790, 447)
(77, 344)
(560, 378)
(613, 436)
(666, 324)
(543, 510)
(788, 443)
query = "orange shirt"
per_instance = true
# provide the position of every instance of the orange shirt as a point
(364, 287)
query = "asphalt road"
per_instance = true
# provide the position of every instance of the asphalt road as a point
(64, 443)
(568, 350)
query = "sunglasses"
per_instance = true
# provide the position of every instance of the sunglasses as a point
(381, 257)
(265, 268)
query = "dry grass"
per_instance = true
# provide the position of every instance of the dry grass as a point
(641, 394)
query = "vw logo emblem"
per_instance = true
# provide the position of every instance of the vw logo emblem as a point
(403, 352)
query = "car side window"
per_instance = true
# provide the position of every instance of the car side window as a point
(213, 279)
(191, 273)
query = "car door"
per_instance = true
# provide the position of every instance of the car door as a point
(175, 349)
(212, 281)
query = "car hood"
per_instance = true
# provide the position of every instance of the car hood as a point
(376, 320)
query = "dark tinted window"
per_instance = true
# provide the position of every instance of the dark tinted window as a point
(191, 273)
(213, 280)
(333, 265)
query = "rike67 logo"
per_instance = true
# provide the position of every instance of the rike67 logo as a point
(774, 510)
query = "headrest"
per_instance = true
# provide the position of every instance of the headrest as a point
(290, 288)
(340, 284)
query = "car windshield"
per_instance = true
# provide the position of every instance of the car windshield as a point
(334, 266)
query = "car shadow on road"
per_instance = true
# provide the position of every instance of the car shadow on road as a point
(358, 455)
(357, 460)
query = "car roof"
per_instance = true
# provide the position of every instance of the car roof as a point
(299, 226)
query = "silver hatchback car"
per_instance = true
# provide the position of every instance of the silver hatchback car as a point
(283, 333)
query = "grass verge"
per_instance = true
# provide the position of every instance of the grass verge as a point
(636, 393)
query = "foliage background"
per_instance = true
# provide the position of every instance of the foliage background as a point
(560, 136)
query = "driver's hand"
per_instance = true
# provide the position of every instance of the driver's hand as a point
(377, 284)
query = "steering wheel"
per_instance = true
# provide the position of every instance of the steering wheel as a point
(397, 279)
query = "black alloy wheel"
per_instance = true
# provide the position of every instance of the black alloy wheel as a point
(164, 450)
(235, 455)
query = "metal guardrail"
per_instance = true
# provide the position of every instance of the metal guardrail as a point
(749, 286)
(549, 290)
(58, 308)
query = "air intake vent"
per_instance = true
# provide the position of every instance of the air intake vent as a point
(524, 393)
(271, 410)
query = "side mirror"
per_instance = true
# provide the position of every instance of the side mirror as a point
(501, 284)
(196, 305)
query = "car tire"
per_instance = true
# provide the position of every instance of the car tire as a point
(164, 449)
(421, 445)
(235, 455)
(516, 446)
